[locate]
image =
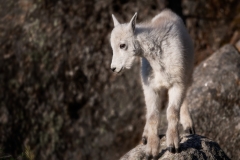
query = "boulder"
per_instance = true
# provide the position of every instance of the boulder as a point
(192, 147)
(214, 99)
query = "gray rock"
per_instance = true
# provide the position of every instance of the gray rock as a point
(214, 99)
(192, 147)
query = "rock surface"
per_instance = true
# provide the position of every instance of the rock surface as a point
(214, 99)
(58, 95)
(192, 147)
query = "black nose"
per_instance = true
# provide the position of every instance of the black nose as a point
(113, 69)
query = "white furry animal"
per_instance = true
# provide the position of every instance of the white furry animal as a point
(167, 56)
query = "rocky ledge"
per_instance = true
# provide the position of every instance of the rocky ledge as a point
(192, 147)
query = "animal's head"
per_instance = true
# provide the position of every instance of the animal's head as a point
(122, 42)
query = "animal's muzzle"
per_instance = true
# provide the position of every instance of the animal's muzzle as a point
(113, 68)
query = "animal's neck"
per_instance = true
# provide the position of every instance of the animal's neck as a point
(146, 47)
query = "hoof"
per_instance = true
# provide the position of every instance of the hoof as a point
(144, 140)
(193, 129)
(171, 149)
(149, 157)
(161, 136)
(190, 130)
(178, 150)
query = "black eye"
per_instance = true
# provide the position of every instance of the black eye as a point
(122, 46)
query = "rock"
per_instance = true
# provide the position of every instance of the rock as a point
(214, 99)
(192, 147)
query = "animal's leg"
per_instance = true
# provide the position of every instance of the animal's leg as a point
(161, 99)
(176, 94)
(151, 129)
(186, 119)
(145, 134)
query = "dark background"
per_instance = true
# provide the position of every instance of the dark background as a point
(58, 97)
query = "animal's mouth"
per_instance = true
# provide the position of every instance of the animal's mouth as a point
(119, 71)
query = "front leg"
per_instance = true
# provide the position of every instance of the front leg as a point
(186, 119)
(176, 95)
(151, 129)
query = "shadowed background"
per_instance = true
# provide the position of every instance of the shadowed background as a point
(58, 97)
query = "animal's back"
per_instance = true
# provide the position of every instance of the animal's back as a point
(165, 16)
(176, 49)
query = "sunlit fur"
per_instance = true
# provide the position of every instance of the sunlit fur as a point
(166, 50)
(122, 58)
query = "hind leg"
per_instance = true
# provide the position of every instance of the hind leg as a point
(176, 95)
(186, 119)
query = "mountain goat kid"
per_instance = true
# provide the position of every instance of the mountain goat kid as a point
(167, 55)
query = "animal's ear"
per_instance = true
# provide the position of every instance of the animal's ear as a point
(132, 23)
(115, 21)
